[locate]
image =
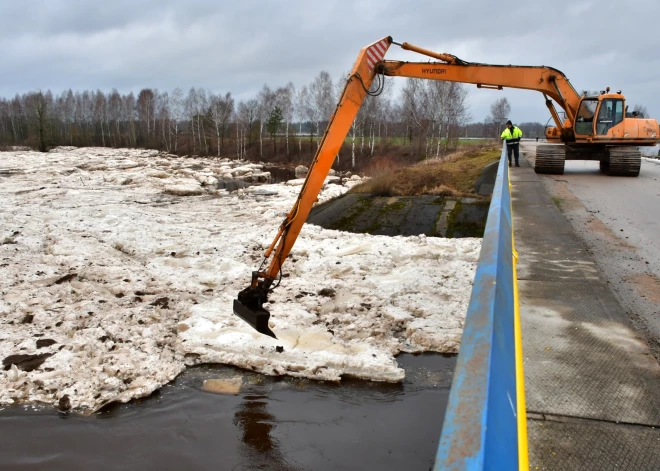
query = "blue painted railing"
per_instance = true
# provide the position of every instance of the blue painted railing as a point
(481, 427)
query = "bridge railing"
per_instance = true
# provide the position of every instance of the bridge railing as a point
(485, 425)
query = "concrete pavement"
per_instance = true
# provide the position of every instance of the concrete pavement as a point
(617, 219)
(592, 385)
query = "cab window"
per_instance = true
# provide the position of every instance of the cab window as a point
(585, 116)
(609, 115)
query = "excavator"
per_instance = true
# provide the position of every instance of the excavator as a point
(595, 128)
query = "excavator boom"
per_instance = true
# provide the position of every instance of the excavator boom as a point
(249, 305)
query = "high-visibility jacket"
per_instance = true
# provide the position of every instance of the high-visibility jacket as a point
(510, 137)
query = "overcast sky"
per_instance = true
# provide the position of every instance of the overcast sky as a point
(239, 45)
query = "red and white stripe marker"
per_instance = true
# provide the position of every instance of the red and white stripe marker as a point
(375, 53)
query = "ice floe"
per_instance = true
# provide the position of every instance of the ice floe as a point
(119, 267)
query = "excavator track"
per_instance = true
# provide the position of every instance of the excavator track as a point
(550, 159)
(622, 161)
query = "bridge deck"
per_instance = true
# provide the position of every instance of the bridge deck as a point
(592, 386)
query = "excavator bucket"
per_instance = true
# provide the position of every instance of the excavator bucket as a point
(249, 306)
(256, 317)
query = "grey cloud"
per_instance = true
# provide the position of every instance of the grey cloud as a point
(240, 45)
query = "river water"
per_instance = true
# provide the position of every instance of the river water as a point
(272, 424)
(280, 174)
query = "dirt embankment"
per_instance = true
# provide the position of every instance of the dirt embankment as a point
(435, 198)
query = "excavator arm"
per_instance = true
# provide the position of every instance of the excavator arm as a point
(547, 80)
(370, 63)
(249, 305)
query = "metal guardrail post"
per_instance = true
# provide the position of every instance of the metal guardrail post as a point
(484, 417)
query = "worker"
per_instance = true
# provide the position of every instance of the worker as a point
(512, 135)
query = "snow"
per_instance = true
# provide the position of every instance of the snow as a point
(155, 256)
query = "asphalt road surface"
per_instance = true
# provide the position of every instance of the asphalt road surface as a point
(618, 220)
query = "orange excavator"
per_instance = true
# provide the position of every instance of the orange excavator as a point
(595, 128)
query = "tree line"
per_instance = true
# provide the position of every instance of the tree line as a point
(278, 124)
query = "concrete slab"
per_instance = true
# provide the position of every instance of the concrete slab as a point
(582, 358)
(420, 218)
(542, 217)
(441, 225)
(530, 191)
(524, 173)
(546, 261)
(592, 446)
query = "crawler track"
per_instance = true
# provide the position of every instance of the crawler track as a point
(550, 159)
(622, 161)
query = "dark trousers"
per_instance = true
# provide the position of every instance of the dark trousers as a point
(515, 149)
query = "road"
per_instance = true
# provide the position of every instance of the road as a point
(618, 220)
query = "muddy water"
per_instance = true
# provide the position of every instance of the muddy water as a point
(272, 424)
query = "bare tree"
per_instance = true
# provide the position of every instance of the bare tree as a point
(146, 105)
(38, 106)
(266, 100)
(177, 114)
(115, 115)
(300, 112)
(415, 108)
(499, 112)
(448, 110)
(641, 111)
(191, 112)
(321, 101)
(128, 112)
(4, 119)
(101, 113)
(154, 116)
(13, 115)
(163, 115)
(284, 101)
(20, 115)
(246, 115)
(86, 115)
(202, 107)
(221, 110)
(457, 113)
(67, 113)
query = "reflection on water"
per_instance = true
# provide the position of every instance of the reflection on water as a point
(256, 423)
(274, 423)
(259, 449)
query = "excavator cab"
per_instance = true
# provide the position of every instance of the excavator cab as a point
(602, 119)
(601, 132)
(597, 115)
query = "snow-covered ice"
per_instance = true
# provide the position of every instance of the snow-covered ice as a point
(120, 266)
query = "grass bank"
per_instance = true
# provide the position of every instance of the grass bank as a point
(453, 175)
